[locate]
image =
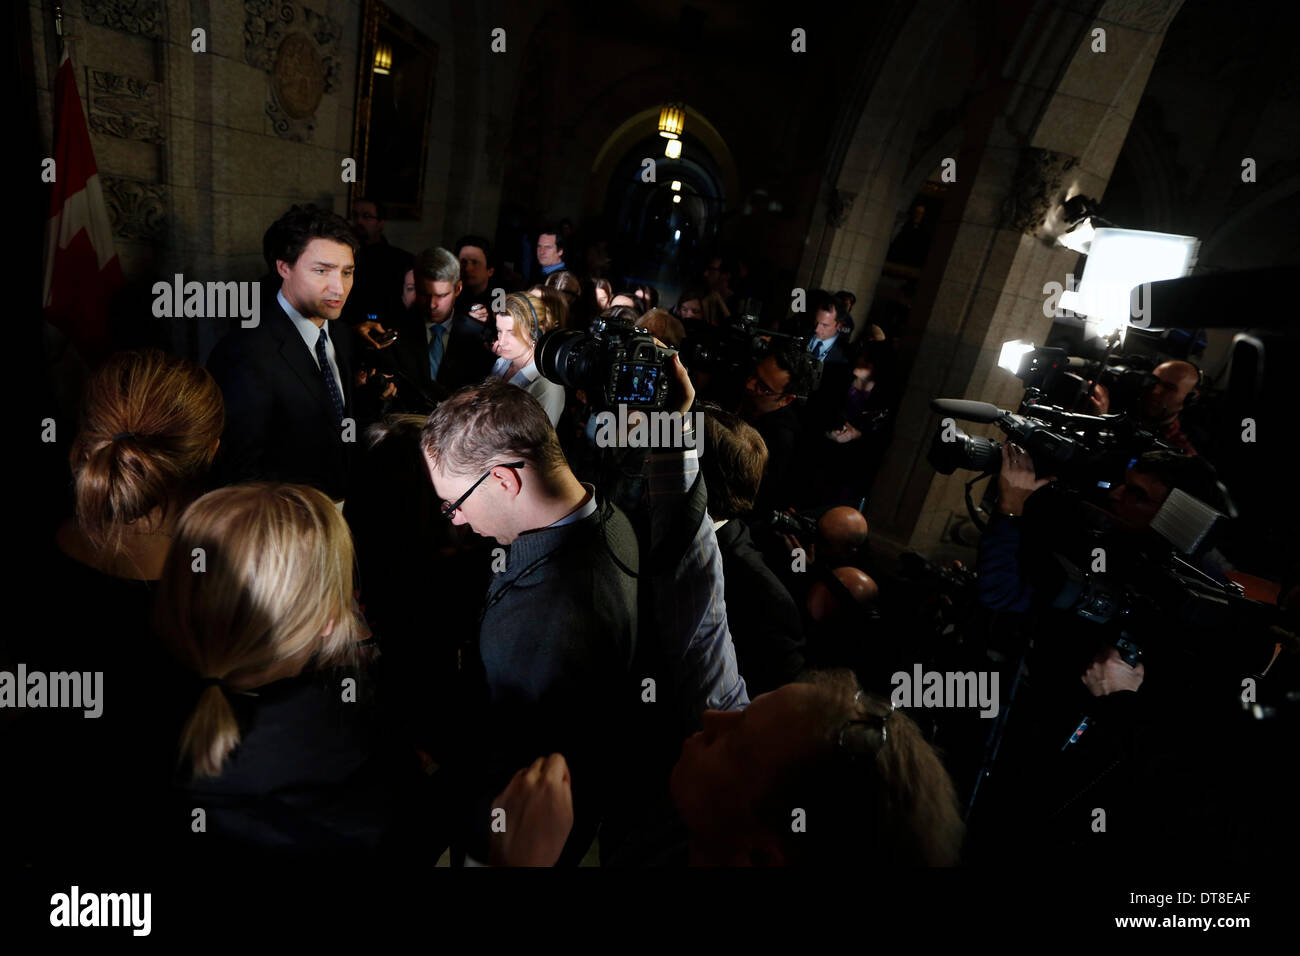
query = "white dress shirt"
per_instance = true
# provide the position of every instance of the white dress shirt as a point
(310, 333)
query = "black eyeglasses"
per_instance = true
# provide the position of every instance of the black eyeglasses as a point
(864, 743)
(449, 510)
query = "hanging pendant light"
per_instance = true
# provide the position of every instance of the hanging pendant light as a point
(672, 118)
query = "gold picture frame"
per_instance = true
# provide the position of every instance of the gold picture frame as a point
(396, 74)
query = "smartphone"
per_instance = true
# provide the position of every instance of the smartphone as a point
(383, 338)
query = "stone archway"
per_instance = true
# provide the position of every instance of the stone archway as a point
(1047, 121)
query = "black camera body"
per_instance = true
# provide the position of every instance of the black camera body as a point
(1076, 448)
(734, 347)
(614, 362)
(783, 523)
(1125, 381)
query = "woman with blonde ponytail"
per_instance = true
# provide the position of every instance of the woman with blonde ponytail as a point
(278, 740)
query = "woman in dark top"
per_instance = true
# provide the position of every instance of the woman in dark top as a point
(282, 748)
(851, 453)
(150, 424)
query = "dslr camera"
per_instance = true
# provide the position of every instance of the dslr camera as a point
(614, 362)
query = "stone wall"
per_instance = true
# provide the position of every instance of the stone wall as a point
(200, 151)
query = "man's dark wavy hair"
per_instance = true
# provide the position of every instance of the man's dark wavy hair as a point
(805, 371)
(291, 233)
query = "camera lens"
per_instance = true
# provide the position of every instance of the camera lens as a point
(558, 357)
(968, 452)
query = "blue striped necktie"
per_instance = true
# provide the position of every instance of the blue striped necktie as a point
(435, 351)
(322, 355)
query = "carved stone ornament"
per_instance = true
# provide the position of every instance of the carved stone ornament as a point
(124, 106)
(140, 17)
(298, 80)
(300, 50)
(137, 211)
(1036, 188)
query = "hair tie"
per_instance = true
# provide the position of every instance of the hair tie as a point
(206, 682)
(123, 435)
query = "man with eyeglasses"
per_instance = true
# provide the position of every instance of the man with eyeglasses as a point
(559, 630)
(558, 638)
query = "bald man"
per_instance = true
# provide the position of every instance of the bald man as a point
(844, 628)
(1161, 402)
(841, 531)
(824, 604)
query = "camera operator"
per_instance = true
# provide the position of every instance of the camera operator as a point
(1175, 386)
(1113, 758)
(1131, 506)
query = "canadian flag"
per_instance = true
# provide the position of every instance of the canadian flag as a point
(81, 268)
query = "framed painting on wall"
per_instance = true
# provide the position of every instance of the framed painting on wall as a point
(390, 140)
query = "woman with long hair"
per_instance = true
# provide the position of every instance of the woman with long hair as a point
(519, 328)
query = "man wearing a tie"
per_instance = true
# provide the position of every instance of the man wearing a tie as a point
(437, 285)
(438, 349)
(830, 347)
(287, 382)
(825, 344)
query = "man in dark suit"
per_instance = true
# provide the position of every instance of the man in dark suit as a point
(829, 345)
(437, 350)
(761, 614)
(287, 382)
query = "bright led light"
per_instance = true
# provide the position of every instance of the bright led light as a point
(677, 234)
(1012, 354)
(677, 199)
(673, 148)
(676, 186)
(1119, 260)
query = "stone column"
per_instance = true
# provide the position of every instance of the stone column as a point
(1052, 127)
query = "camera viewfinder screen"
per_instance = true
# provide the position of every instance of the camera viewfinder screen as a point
(636, 383)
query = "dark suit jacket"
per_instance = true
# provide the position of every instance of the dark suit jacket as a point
(837, 373)
(377, 288)
(780, 432)
(464, 362)
(839, 353)
(764, 622)
(280, 423)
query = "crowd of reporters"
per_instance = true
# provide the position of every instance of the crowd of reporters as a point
(374, 594)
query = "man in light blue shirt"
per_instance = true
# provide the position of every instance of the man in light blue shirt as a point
(550, 250)
(826, 332)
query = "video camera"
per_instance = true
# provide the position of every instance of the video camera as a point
(1154, 593)
(1064, 380)
(734, 347)
(614, 362)
(1070, 445)
(1075, 447)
